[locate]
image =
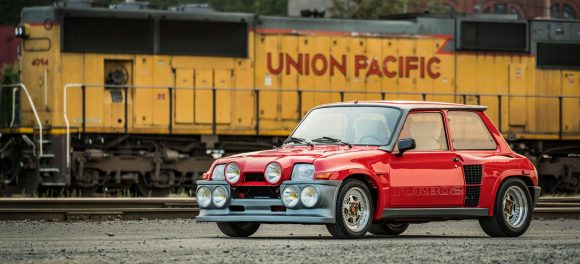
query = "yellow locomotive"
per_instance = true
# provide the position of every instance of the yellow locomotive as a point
(113, 99)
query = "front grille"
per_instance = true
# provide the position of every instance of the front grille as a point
(473, 174)
(472, 196)
(242, 192)
(254, 177)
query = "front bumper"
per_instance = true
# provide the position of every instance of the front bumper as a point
(261, 210)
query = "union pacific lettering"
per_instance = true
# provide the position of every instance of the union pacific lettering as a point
(388, 67)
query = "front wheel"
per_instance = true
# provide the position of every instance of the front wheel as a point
(392, 229)
(354, 211)
(238, 229)
(512, 213)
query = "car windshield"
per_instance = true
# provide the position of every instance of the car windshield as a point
(360, 125)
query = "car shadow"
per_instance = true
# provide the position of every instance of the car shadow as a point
(367, 237)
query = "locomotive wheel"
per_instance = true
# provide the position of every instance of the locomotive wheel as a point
(148, 191)
(238, 229)
(392, 229)
(28, 182)
(354, 211)
(512, 213)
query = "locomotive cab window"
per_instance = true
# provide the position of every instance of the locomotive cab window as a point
(468, 132)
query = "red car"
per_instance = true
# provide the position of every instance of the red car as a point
(376, 166)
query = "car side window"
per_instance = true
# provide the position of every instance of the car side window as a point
(427, 130)
(468, 132)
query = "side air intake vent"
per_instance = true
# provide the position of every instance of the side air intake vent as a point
(472, 196)
(472, 174)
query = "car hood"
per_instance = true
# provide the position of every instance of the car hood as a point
(287, 156)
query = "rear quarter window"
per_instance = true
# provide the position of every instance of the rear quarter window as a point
(468, 132)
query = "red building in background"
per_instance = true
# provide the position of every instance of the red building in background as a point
(8, 47)
(563, 9)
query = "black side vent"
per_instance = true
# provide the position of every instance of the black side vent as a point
(472, 196)
(108, 35)
(473, 174)
(559, 55)
(204, 38)
(494, 36)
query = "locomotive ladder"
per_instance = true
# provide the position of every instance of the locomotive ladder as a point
(43, 158)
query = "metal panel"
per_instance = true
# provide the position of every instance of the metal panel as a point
(517, 86)
(203, 96)
(223, 80)
(290, 81)
(184, 97)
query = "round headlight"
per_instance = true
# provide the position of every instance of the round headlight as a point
(203, 196)
(290, 196)
(273, 173)
(232, 172)
(309, 196)
(219, 196)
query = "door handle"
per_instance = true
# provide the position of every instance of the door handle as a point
(455, 159)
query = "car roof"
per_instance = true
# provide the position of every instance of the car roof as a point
(411, 105)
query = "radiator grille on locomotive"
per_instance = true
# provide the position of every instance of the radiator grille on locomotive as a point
(472, 196)
(559, 55)
(472, 174)
(108, 35)
(203, 38)
(494, 36)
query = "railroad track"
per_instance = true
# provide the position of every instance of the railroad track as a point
(63, 209)
(558, 207)
(79, 209)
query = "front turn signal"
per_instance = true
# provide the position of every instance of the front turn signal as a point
(322, 175)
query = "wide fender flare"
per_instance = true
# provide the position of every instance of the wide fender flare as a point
(490, 201)
(373, 179)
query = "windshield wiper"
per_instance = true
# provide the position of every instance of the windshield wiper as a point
(331, 140)
(297, 140)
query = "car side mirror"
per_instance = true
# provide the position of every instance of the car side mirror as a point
(404, 145)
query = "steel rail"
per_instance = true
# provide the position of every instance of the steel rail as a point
(63, 209)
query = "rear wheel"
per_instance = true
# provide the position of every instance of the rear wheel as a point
(512, 213)
(238, 229)
(354, 211)
(392, 229)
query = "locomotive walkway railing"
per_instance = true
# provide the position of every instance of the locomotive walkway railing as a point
(21, 86)
(299, 93)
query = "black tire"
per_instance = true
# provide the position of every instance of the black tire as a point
(340, 229)
(498, 225)
(392, 229)
(238, 229)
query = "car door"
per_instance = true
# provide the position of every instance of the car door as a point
(429, 175)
